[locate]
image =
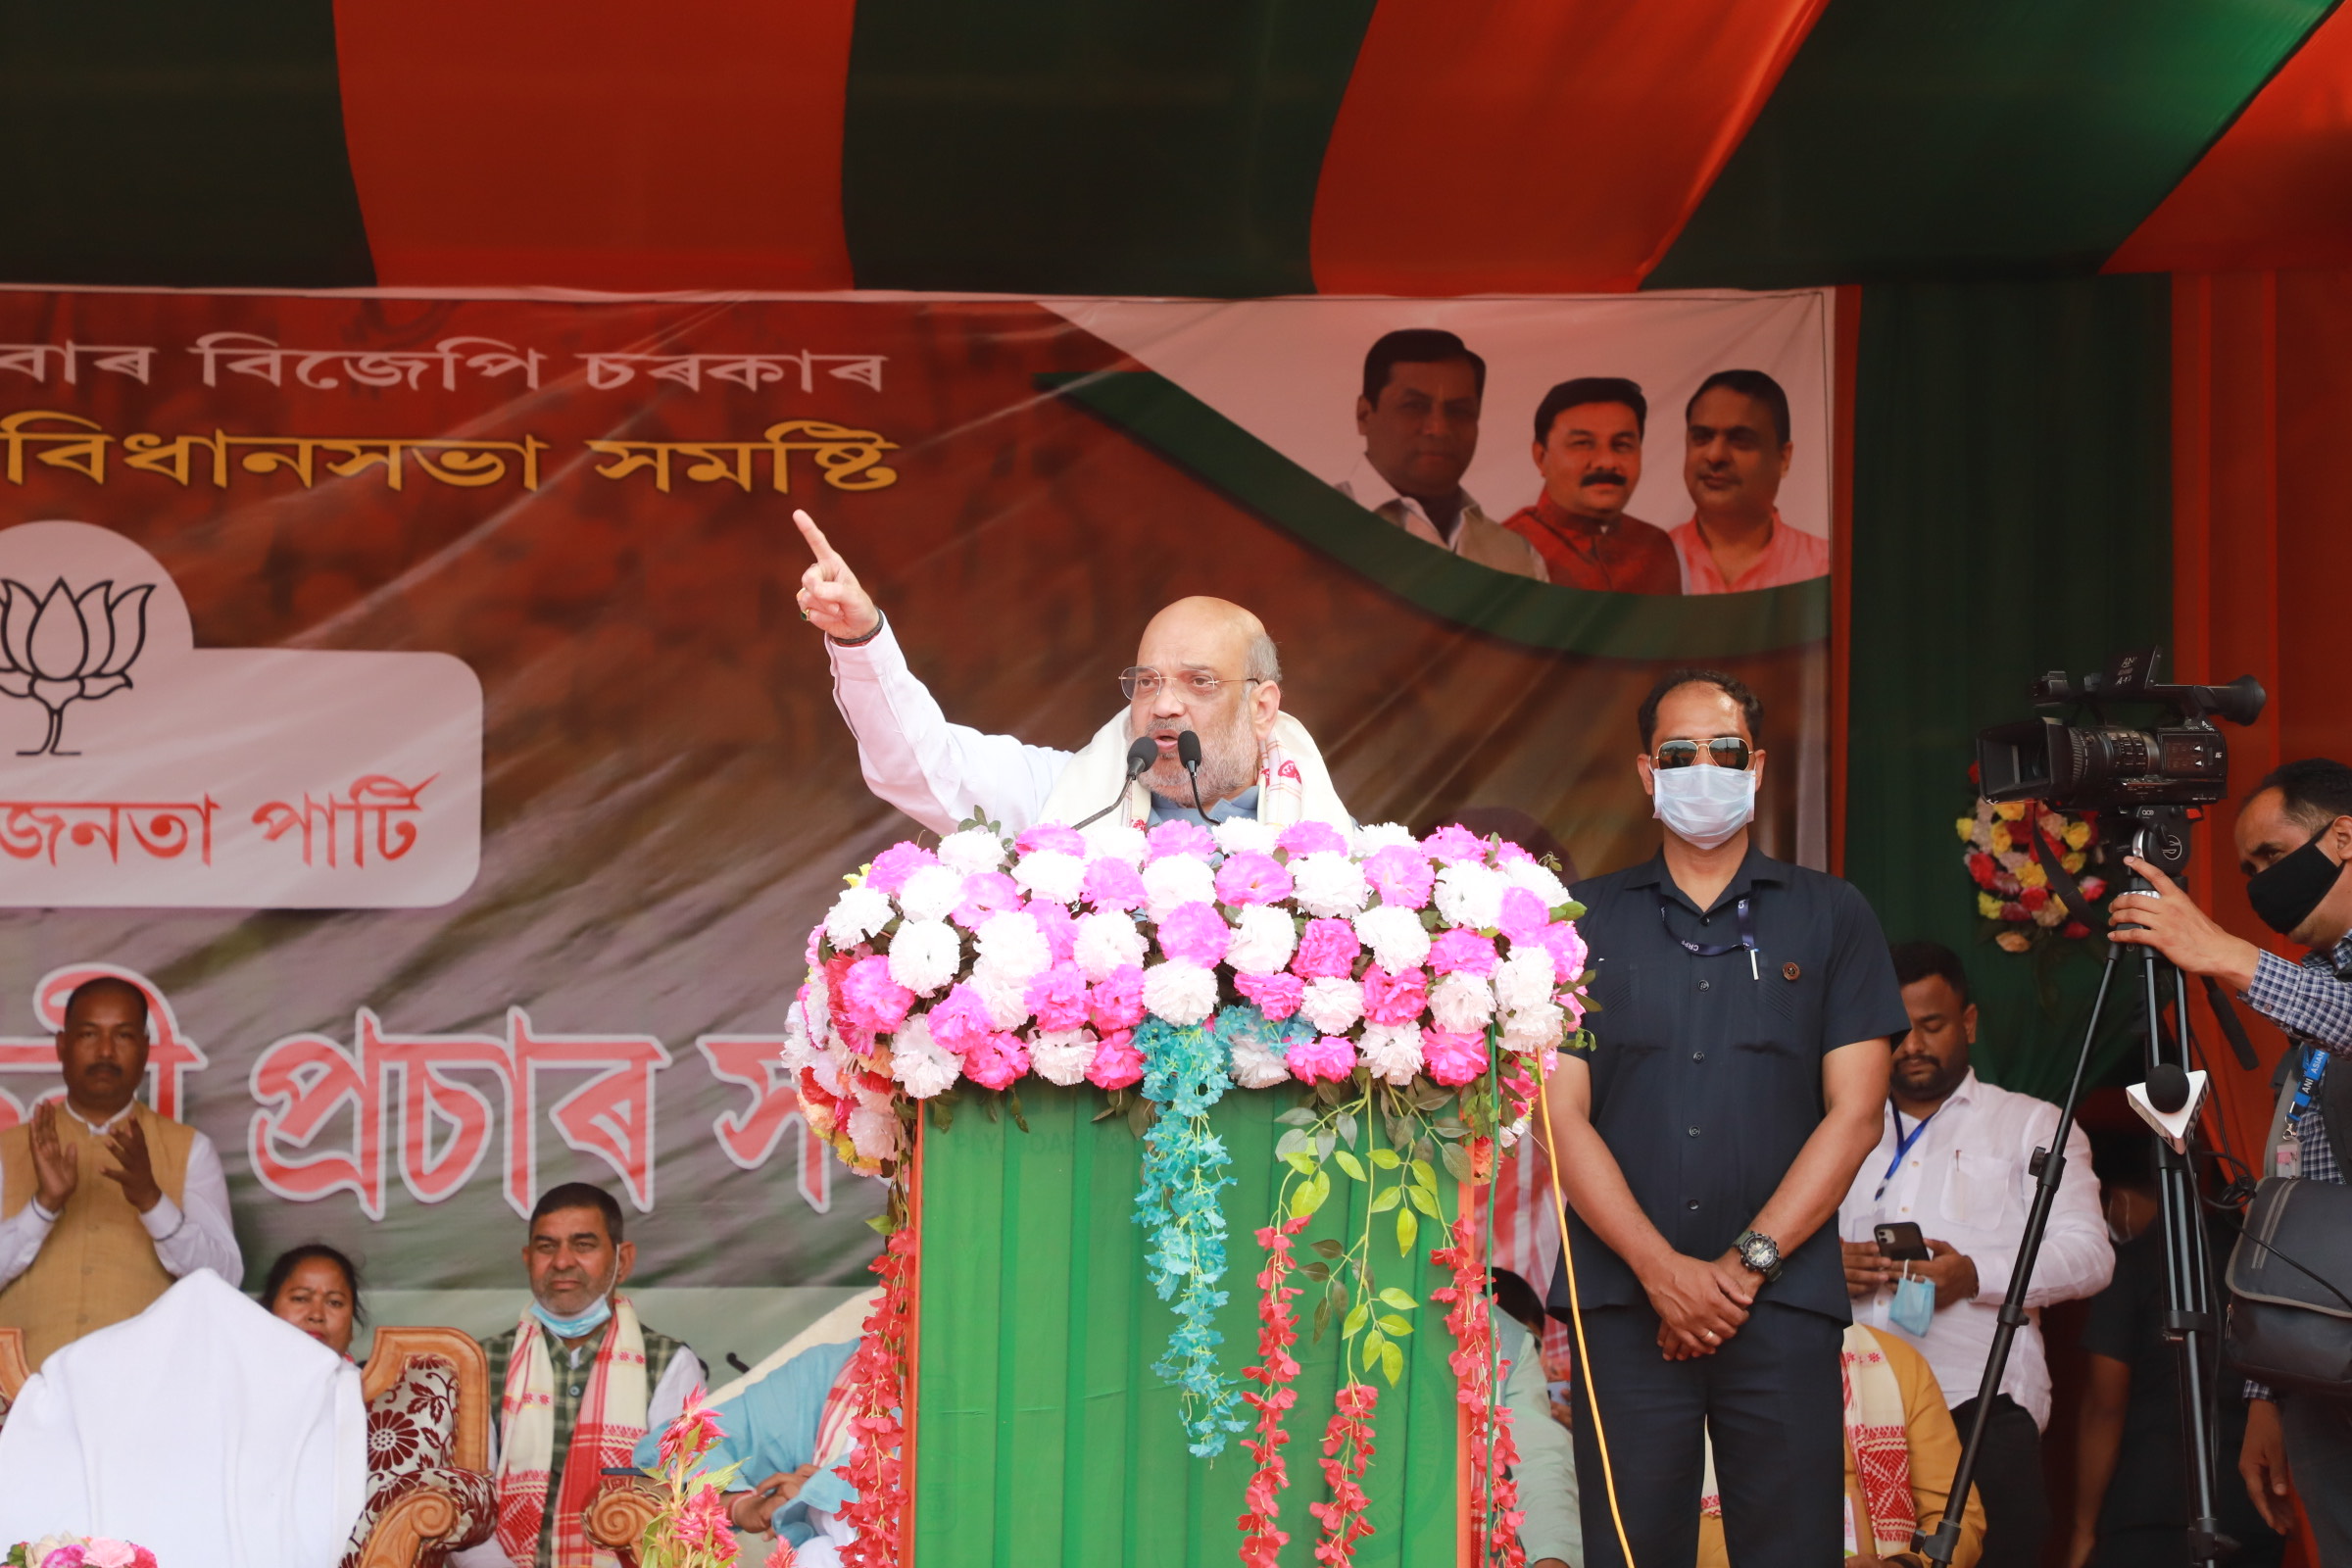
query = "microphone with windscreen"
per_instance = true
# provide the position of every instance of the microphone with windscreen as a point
(1188, 752)
(2168, 1102)
(1139, 752)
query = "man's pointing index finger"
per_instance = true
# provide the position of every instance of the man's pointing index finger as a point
(826, 555)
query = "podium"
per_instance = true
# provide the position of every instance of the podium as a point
(1041, 1435)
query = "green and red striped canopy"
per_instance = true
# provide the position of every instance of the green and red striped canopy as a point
(1227, 148)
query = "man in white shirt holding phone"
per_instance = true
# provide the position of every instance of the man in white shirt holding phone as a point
(1955, 1159)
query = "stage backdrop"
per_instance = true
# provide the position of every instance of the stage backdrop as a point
(410, 693)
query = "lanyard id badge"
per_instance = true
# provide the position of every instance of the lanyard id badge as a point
(1902, 1146)
(1704, 950)
(2314, 1068)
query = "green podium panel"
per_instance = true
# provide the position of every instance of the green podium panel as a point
(1043, 1436)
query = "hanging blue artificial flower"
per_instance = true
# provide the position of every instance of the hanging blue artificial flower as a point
(1185, 1073)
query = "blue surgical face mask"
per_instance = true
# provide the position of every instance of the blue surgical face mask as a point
(1703, 803)
(575, 1328)
(1914, 1308)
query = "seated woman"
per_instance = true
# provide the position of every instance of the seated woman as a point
(317, 1289)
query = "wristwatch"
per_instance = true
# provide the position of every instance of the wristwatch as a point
(1759, 1252)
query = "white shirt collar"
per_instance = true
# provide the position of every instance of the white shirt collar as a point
(1365, 486)
(99, 1129)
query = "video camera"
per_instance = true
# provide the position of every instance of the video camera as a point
(2181, 762)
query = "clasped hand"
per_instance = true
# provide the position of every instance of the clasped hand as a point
(1700, 1303)
(1951, 1271)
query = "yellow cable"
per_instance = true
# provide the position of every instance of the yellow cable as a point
(1576, 1316)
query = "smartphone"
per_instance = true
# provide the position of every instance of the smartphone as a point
(1901, 1241)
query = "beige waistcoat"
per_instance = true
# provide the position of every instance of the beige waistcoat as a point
(98, 1265)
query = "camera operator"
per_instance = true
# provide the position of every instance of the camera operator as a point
(2294, 841)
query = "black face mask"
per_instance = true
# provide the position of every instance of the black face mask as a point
(2285, 893)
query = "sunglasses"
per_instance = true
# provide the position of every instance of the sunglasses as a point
(1723, 751)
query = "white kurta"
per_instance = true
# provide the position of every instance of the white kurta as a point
(187, 1237)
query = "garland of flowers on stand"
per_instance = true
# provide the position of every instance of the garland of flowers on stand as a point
(1493, 1452)
(1414, 991)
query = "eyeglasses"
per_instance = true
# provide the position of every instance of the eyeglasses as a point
(1142, 685)
(1723, 751)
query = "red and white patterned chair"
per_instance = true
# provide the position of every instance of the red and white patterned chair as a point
(13, 1368)
(429, 1491)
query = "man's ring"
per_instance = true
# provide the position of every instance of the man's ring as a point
(1710, 1335)
(804, 614)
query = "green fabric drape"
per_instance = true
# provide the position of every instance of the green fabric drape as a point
(1045, 1437)
(2012, 515)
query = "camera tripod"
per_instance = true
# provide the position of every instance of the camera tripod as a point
(2159, 837)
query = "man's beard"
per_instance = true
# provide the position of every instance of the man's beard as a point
(1229, 764)
(1939, 1084)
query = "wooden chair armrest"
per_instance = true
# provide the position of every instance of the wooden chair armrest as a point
(413, 1522)
(13, 1368)
(617, 1519)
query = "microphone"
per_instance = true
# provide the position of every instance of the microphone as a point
(2168, 1102)
(1188, 752)
(1139, 752)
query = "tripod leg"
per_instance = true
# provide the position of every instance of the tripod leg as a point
(2188, 1318)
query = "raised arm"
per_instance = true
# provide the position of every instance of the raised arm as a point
(937, 772)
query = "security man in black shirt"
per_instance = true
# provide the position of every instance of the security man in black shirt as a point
(1744, 1009)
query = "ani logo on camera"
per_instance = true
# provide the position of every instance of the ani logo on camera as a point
(64, 647)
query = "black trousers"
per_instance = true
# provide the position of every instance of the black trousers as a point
(1773, 1399)
(2017, 1504)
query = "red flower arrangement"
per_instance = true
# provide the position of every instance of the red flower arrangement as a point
(1495, 1532)
(1347, 1451)
(1276, 1370)
(877, 1467)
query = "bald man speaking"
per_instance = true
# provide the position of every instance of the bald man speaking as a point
(1204, 666)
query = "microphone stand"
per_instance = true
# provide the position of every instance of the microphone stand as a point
(1139, 752)
(2161, 839)
(1188, 752)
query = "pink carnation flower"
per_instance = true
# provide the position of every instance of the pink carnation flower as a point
(985, 893)
(1116, 1000)
(1462, 951)
(1114, 884)
(1396, 998)
(961, 1021)
(1566, 945)
(1455, 844)
(1311, 837)
(1058, 997)
(875, 1002)
(1327, 949)
(997, 1062)
(1402, 876)
(1275, 995)
(1194, 933)
(1453, 1060)
(1327, 1057)
(1052, 836)
(1117, 1063)
(1252, 879)
(1506, 852)
(1524, 915)
(1176, 836)
(894, 866)
(1058, 924)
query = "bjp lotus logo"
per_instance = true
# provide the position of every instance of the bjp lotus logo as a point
(62, 646)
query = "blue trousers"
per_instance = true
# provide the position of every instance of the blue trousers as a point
(1773, 1400)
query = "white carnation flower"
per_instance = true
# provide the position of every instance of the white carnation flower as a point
(1012, 942)
(1330, 885)
(1176, 879)
(1181, 993)
(929, 893)
(825, 1068)
(1509, 1136)
(1371, 838)
(874, 1134)
(1461, 1004)
(1264, 937)
(921, 1064)
(1051, 875)
(1332, 1005)
(856, 915)
(798, 1050)
(971, 852)
(1063, 1055)
(1120, 842)
(1537, 878)
(1471, 895)
(1534, 1029)
(924, 955)
(1392, 1051)
(1245, 835)
(1398, 939)
(1523, 978)
(1107, 939)
(1004, 994)
(1254, 1065)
